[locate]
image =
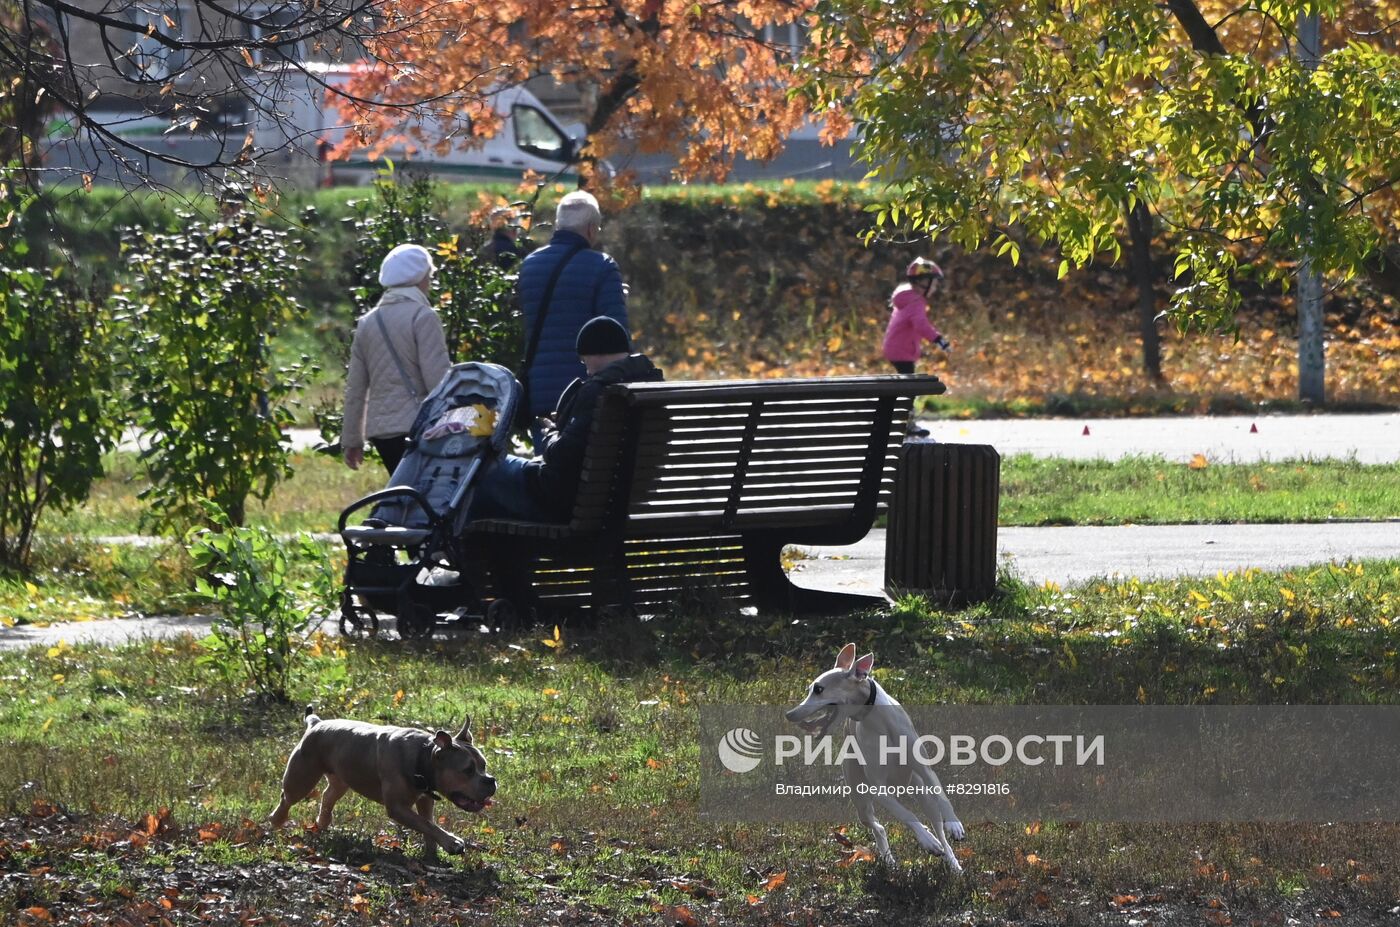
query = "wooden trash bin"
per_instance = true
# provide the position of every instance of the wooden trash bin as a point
(942, 537)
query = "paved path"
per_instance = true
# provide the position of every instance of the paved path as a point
(1062, 555)
(1371, 439)
(1071, 555)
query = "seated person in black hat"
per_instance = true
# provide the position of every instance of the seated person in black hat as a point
(542, 488)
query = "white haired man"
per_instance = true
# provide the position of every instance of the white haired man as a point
(561, 287)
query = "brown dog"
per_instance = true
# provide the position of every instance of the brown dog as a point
(402, 768)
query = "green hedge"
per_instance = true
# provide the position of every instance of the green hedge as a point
(786, 257)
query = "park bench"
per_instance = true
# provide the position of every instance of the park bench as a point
(694, 488)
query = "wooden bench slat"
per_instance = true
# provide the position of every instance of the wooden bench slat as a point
(777, 390)
(766, 443)
(672, 479)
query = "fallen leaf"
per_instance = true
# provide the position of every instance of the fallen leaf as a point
(858, 855)
(678, 914)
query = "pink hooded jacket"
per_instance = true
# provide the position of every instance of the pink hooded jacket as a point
(909, 325)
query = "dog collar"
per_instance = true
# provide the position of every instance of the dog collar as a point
(423, 773)
(861, 713)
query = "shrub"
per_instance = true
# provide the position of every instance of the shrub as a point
(264, 612)
(203, 305)
(56, 417)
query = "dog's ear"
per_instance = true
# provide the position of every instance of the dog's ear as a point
(863, 665)
(442, 739)
(465, 735)
(846, 657)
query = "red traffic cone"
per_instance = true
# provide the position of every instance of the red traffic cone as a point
(1086, 431)
(1253, 428)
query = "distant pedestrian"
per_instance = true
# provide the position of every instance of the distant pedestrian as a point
(399, 354)
(503, 248)
(561, 287)
(909, 324)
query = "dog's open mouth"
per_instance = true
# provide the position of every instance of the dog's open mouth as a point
(467, 803)
(819, 722)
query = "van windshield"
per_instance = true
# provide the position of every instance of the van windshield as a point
(535, 134)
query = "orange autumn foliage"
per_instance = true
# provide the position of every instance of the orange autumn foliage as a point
(695, 80)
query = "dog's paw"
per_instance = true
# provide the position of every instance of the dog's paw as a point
(454, 845)
(928, 842)
(955, 829)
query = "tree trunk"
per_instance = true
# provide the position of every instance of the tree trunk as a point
(1312, 359)
(1312, 362)
(1140, 230)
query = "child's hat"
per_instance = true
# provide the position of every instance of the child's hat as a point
(602, 335)
(922, 267)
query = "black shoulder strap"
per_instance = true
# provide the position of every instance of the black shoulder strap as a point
(534, 344)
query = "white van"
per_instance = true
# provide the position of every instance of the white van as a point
(296, 125)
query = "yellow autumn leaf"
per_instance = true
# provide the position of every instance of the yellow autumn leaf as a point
(1198, 462)
(556, 642)
(833, 344)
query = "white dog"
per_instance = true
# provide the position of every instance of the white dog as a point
(847, 694)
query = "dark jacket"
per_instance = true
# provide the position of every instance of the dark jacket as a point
(591, 285)
(553, 476)
(502, 250)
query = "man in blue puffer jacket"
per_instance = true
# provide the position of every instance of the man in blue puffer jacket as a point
(588, 286)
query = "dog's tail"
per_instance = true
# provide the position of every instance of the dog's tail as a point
(311, 717)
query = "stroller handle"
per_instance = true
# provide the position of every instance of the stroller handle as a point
(393, 492)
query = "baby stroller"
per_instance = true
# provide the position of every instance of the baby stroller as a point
(406, 558)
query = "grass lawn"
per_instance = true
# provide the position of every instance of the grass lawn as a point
(1035, 491)
(1153, 491)
(134, 781)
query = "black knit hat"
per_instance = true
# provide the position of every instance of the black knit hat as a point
(603, 335)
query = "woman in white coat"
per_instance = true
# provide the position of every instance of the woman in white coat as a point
(398, 355)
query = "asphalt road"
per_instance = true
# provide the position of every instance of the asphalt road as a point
(1076, 555)
(1369, 438)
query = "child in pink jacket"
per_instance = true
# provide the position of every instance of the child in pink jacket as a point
(909, 324)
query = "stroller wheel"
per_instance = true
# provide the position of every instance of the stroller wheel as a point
(356, 620)
(416, 623)
(501, 613)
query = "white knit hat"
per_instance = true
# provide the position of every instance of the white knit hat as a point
(406, 265)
